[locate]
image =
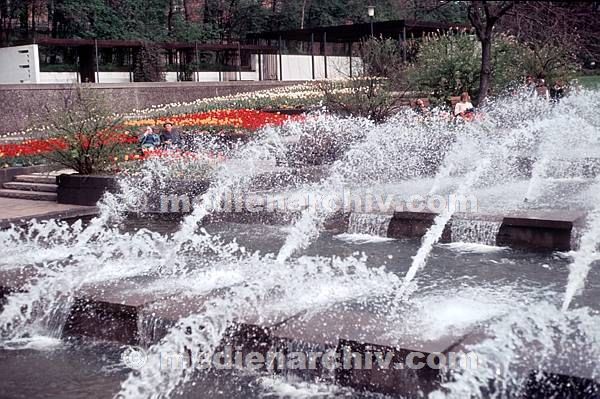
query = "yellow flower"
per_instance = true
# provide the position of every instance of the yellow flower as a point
(126, 157)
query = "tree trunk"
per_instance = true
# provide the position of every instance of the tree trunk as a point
(33, 26)
(486, 69)
(170, 17)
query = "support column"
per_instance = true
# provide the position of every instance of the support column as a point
(404, 44)
(197, 60)
(312, 54)
(97, 61)
(280, 60)
(239, 61)
(259, 55)
(130, 63)
(350, 57)
(325, 53)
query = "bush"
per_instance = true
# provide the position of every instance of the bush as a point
(549, 61)
(375, 92)
(83, 133)
(447, 65)
(368, 97)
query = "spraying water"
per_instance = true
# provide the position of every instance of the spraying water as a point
(405, 155)
(585, 256)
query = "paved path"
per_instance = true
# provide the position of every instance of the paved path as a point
(19, 211)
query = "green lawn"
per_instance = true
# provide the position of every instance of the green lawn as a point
(590, 81)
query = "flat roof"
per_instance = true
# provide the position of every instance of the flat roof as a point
(356, 32)
(102, 43)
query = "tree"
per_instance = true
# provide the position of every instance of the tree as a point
(83, 131)
(484, 16)
(376, 92)
(448, 64)
(148, 64)
(558, 33)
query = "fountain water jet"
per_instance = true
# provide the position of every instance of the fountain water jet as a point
(585, 256)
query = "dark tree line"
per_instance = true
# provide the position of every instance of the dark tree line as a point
(196, 20)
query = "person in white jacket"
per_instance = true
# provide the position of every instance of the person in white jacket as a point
(464, 105)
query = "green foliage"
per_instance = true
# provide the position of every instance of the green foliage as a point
(149, 20)
(148, 65)
(374, 94)
(447, 65)
(381, 57)
(369, 97)
(549, 61)
(88, 129)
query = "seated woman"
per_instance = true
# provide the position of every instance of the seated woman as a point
(170, 137)
(149, 139)
(464, 108)
(420, 108)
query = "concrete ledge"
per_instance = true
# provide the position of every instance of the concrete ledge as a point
(62, 213)
(133, 85)
(116, 311)
(539, 231)
(8, 174)
(109, 311)
(83, 189)
(413, 225)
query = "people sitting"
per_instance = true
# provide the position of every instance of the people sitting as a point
(541, 89)
(149, 139)
(420, 108)
(558, 91)
(464, 109)
(530, 85)
(170, 137)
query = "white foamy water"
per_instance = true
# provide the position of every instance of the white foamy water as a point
(279, 387)
(475, 231)
(585, 256)
(412, 156)
(370, 224)
(357, 238)
(474, 248)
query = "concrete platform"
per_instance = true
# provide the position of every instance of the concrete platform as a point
(527, 230)
(20, 211)
(109, 311)
(121, 311)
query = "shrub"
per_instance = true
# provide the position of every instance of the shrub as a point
(447, 64)
(375, 92)
(550, 61)
(84, 134)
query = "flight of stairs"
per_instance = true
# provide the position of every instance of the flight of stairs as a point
(36, 186)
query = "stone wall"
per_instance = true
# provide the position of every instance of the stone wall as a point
(20, 104)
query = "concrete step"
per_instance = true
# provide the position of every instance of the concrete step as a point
(48, 188)
(29, 195)
(35, 178)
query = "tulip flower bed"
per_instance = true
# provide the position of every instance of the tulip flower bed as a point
(237, 118)
(304, 96)
(229, 121)
(35, 152)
